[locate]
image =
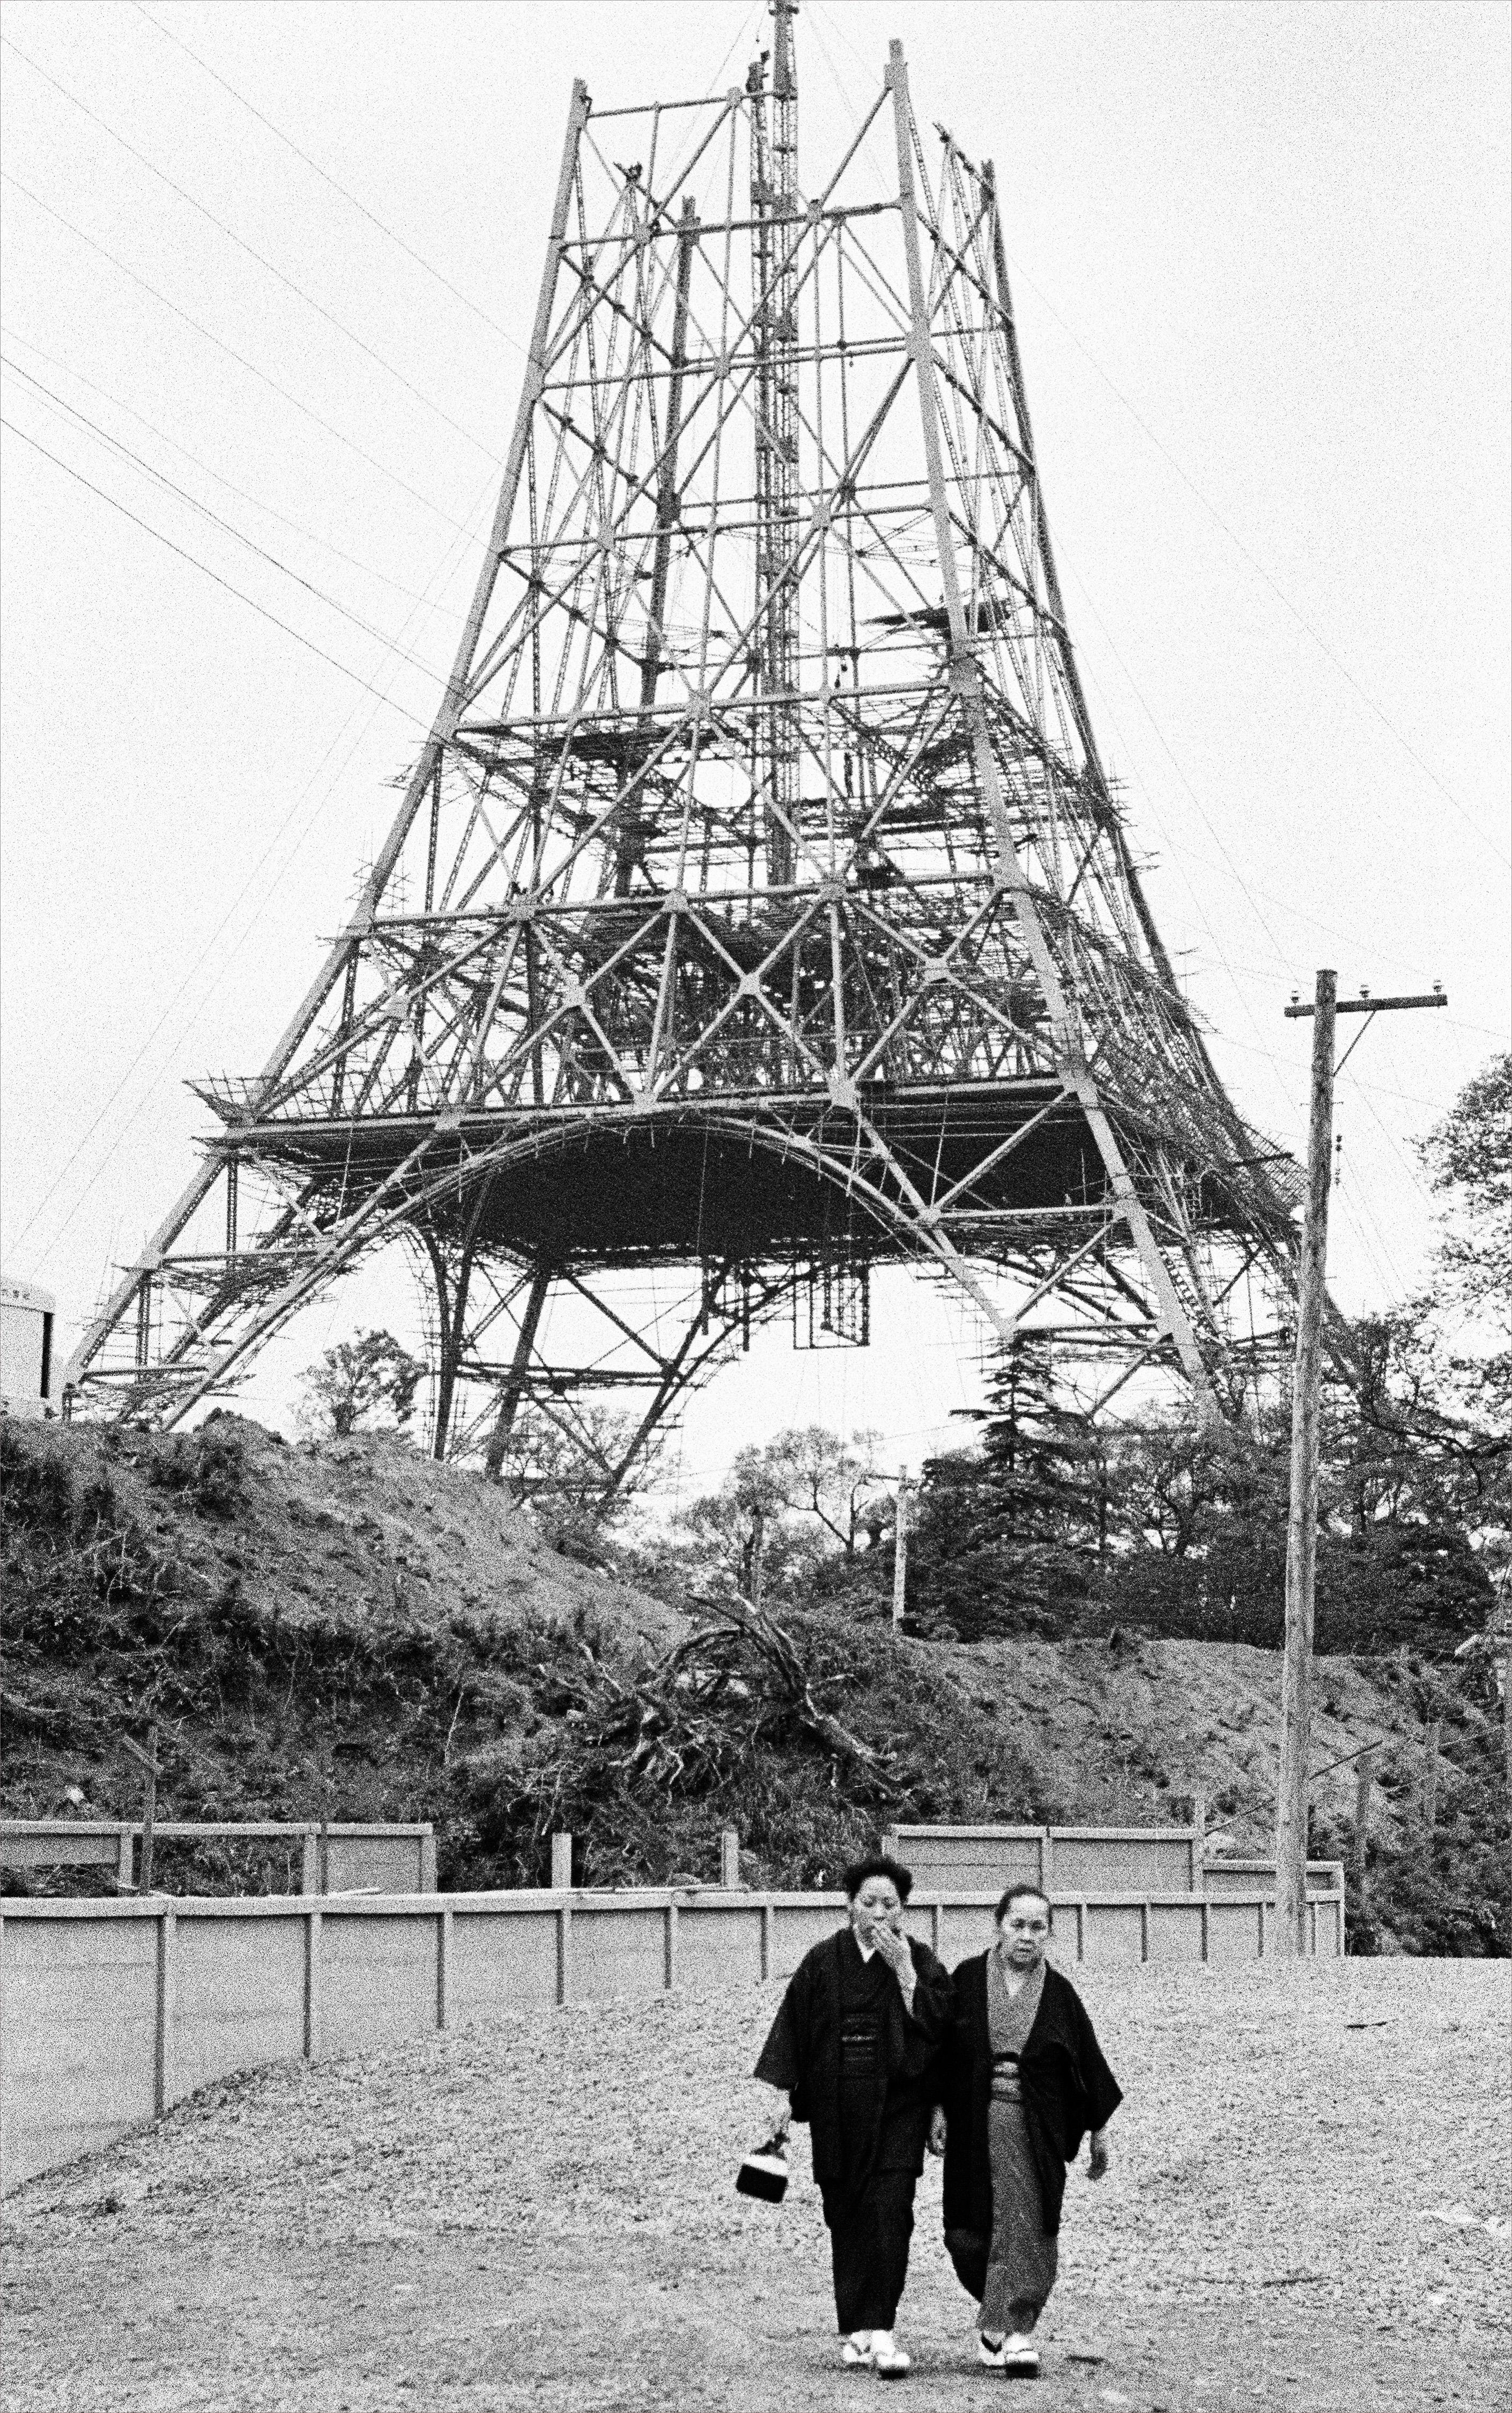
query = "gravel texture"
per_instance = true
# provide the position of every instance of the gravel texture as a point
(542, 2215)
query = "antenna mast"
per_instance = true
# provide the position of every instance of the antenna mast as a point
(773, 171)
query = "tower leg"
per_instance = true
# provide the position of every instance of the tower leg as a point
(513, 1390)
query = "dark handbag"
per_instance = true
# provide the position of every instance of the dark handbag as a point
(765, 2174)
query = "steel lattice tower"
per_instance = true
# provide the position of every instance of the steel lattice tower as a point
(757, 909)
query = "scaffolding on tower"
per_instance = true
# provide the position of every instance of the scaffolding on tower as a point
(759, 912)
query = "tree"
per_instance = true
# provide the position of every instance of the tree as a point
(1469, 1159)
(833, 1481)
(1008, 1537)
(745, 1533)
(371, 1381)
(783, 1509)
(565, 1464)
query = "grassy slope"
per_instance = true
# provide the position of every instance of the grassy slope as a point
(362, 1609)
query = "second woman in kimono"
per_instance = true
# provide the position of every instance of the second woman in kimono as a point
(1024, 2081)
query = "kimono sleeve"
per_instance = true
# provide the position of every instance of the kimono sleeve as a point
(784, 2056)
(1101, 2092)
(928, 2022)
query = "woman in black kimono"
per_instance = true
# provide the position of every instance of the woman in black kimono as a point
(853, 2051)
(1024, 2081)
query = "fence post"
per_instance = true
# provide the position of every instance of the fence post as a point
(561, 1863)
(669, 1957)
(1046, 1859)
(5, 2164)
(769, 1920)
(126, 1865)
(1199, 1838)
(1143, 1930)
(312, 1985)
(443, 1969)
(427, 1863)
(564, 1951)
(730, 1858)
(167, 2011)
(1205, 1927)
(309, 1874)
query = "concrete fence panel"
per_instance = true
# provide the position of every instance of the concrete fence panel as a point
(80, 2026)
(964, 1927)
(1233, 1930)
(799, 1924)
(1177, 1932)
(969, 1859)
(1327, 1916)
(382, 1860)
(358, 1858)
(500, 1968)
(378, 1980)
(1115, 1931)
(1226, 1877)
(721, 1945)
(240, 1996)
(618, 1951)
(1093, 1860)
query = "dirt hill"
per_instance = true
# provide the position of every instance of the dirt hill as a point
(356, 1630)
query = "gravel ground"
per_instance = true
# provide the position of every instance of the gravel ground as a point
(543, 2216)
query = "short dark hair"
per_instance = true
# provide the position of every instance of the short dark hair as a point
(879, 1864)
(1015, 1893)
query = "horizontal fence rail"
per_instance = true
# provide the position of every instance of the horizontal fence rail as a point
(1087, 1860)
(114, 2010)
(335, 1855)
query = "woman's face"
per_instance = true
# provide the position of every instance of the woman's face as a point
(878, 1904)
(1024, 1930)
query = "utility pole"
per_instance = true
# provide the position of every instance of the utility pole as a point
(1302, 1519)
(900, 1550)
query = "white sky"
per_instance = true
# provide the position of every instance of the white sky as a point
(1260, 262)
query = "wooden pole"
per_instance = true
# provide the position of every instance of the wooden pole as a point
(561, 1863)
(148, 1809)
(323, 1881)
(900, 1550)
(729, 1857)
(1302, 1522)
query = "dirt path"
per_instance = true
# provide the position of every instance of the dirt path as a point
(543, 2216)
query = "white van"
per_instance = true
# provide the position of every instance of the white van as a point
(26, 1315)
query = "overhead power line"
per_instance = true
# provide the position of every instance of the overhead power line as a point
(261, 609)
(243, 494)
(442, 572)
(1264, 574)
(128, 453)
(326, 178)
(231, 352)
(262, 261)
(1216, 516)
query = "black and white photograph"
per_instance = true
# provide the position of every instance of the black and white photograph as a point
(755, 1206)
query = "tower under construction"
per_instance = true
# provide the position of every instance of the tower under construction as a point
(758, 911)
